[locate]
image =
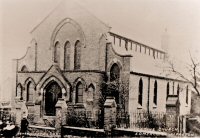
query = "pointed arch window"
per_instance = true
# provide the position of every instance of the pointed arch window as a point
(30, 92)
(114, 72)
(79, 93)
(91, 91)
(24, 68)
(167, 89)
(187, 95)
(67, 50)
(77, 55)
(140, 95)
(155, 93)
(57, 52)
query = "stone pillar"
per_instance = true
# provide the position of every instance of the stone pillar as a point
(61, 110)
(18, 114)
(21, 110)
(110, 109)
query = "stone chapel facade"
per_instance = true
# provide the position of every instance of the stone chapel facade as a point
(72, 53)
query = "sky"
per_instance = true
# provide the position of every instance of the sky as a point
(141, 20)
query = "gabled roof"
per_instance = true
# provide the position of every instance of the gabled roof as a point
(72, 3)
(55, 73)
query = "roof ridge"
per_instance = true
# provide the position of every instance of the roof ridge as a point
(43, 19)
(74, 1)
(83, 7)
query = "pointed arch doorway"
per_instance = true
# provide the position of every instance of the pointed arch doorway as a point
(52, 93)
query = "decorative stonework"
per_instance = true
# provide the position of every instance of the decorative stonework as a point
(61, 24)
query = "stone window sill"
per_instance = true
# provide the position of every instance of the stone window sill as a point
(89, 101)
(49, 117)
(139, 106)
(30, 103)
(154, 106)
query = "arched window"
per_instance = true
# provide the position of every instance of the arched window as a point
(178, 90)
(30, 91)
(24, 68)
(186, 95)
(91, 91)
(167, 89)
(155, 93)
(140, 95)
(57, 52)
(79, 93)
(53, 92)
(77, 55)
(67, 51)
(114, 72)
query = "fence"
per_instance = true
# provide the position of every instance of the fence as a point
(144, 120)
(83, 118)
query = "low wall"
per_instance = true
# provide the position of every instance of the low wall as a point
(137, 133)
(80, 131)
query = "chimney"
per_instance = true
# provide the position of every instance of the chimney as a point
(165, 42)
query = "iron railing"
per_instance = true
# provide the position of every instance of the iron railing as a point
(144, 120)
(83, 118)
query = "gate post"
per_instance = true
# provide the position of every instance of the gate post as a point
(110, 108)
(61, 109)
(21, 110)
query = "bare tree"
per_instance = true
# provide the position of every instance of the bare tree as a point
(193, 71)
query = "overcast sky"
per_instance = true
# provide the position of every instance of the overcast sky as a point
(142, 20)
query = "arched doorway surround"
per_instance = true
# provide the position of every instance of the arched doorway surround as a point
(52, 92)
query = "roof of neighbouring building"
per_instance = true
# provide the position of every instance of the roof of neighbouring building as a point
(172, 101)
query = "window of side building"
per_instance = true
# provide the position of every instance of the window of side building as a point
(140, 94)
(187, 95)
(155, 93)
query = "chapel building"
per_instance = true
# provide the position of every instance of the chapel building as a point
(72, 53)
